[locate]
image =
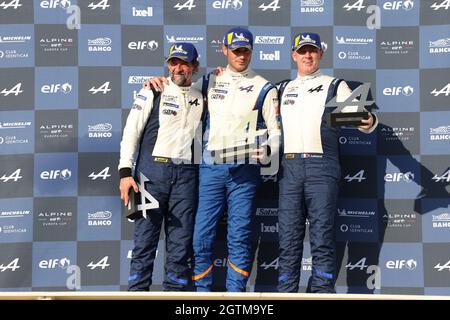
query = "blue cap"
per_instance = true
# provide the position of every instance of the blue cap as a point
(306, 38)
(238, 38)
(183, 50)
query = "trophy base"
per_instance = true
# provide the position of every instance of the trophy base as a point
(131, 210)
(346, 118)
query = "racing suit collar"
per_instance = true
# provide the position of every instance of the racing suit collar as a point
(311, 76)
(182, 89)
(238, 75)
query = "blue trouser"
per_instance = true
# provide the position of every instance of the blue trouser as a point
(175, 187)
(308, 189)
(234, 185)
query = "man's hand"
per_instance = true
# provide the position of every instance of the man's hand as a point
(157, 83)
(218, 71)
(125, 185)
(260, 155)
(367, 123)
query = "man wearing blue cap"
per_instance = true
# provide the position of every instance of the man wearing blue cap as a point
(239, 101)
(161, 128)
(310, 170)
(233, 96)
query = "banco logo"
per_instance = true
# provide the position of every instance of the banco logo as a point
(99, 44)
(440, 133)
(441, 220)
(439, 46)
(101, 130)
(100, 218)
(307, 6)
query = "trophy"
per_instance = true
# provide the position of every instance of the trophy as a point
(238, 142)
(351, 111)
(140, 202)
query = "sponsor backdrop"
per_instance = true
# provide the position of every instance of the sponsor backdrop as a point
(65, 94)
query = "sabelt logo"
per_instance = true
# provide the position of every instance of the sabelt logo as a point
(269, 39)
(267, 212)
(138, 79)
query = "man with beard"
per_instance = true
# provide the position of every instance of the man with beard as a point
(161, 127)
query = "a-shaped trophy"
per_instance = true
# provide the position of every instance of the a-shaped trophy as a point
(239, 141)
(352, 111)
(140, 202)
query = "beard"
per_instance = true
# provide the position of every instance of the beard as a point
(180, 78)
